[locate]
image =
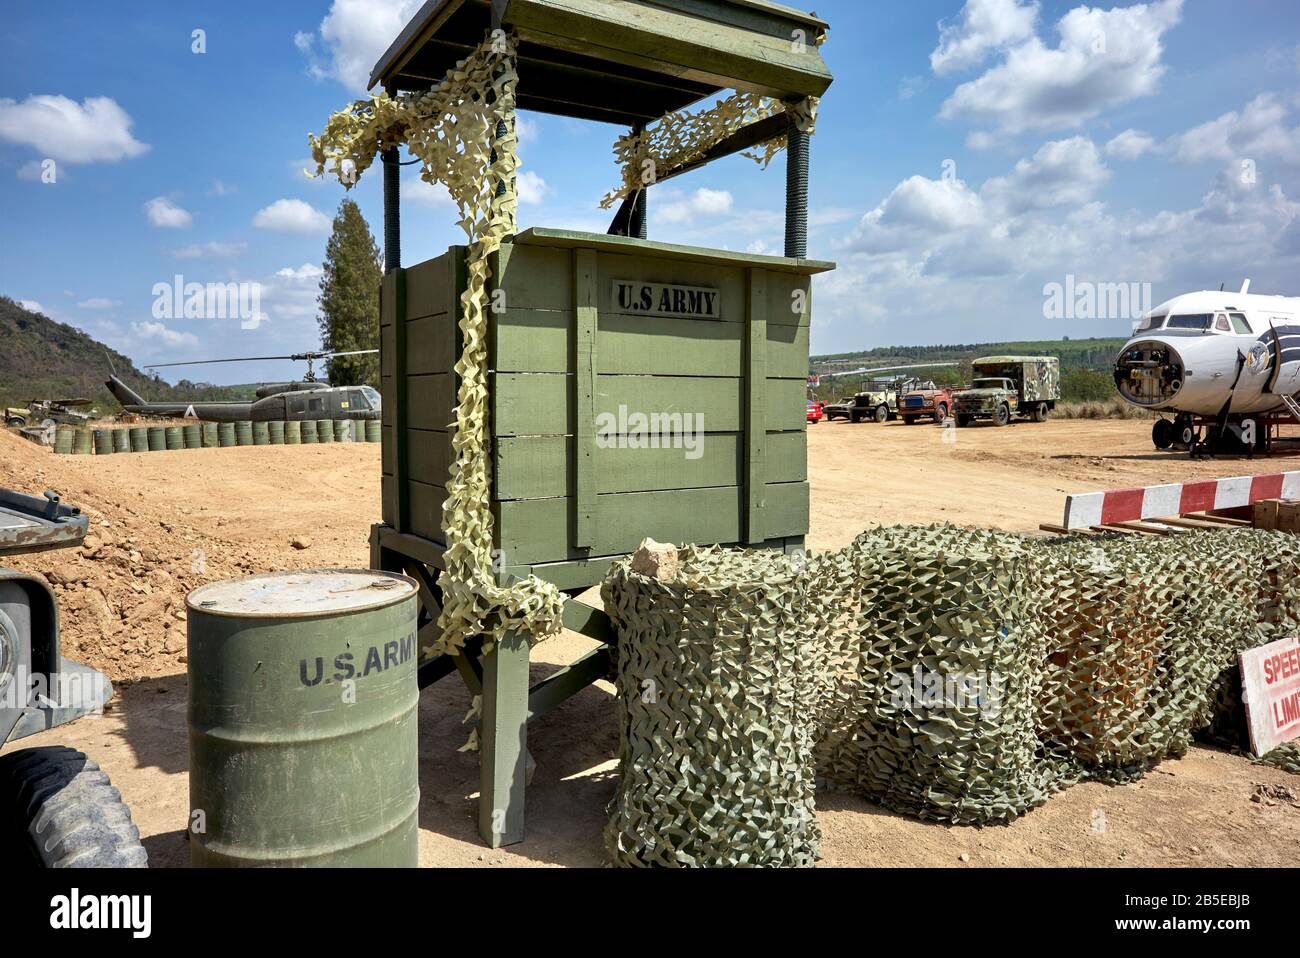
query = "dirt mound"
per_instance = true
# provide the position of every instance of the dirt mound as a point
(122, 592)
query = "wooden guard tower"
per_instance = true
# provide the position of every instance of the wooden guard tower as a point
(595, 324)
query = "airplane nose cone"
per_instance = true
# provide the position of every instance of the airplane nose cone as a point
(1149, 372)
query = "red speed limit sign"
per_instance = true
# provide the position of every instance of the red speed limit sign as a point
(1270, 687)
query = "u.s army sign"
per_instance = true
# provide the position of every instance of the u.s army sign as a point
(663, 299)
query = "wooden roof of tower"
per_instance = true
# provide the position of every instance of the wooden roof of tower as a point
(618, 61)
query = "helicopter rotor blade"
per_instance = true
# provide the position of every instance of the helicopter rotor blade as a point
(297, 357)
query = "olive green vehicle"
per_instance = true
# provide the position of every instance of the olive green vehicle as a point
(58, 809)
(1006, 386)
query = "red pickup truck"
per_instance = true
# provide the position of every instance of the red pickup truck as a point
(933, 402)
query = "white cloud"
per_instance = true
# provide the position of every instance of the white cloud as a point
(532, 188)
(32, 306)
(1105, 58)
(164, 214)
(527, 130)
(97, 302)
(1130, 145)
(1258, 131)
(291, 216)
(96, 130)
(681, 209)
(220, 188)
(32, 171)
(149, 331)
(983, 27)
(304, 273)
(354, 35)
(212, 250)
(1062, 173)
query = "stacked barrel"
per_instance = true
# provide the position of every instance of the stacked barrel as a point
(80, 440)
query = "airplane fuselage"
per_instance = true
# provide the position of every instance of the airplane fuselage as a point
(1198, 352)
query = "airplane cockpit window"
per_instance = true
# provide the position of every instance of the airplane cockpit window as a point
(372, 396)
(1221, 324)
(1151, 322)
(1201, 321)
(1239, 324)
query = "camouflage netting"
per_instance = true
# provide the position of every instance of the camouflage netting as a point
(953, 674)
(716, 676)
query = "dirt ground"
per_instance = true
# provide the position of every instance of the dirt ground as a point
(164, 523)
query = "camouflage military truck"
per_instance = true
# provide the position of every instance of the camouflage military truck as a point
(1006, 386)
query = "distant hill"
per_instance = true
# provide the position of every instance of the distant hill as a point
(43, 359)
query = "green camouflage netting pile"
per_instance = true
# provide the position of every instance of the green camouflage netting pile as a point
(953, 674)
(715, 673)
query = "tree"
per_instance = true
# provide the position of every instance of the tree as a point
(349, 298)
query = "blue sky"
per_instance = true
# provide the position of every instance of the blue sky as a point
(967, 155)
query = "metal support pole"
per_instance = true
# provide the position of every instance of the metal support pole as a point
(637, 222)
(796, 194)
(392, 210)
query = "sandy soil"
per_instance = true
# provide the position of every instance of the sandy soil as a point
(166, 522)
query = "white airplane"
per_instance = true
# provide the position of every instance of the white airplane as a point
(1217, 360)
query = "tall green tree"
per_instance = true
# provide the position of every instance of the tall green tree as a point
(349, 298)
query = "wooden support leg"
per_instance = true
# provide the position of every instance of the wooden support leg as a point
(503, 742)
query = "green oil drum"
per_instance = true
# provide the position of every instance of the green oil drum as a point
(324, 430)
(140, 439)
(82, 442)
(292, 433)
(308, 431)
(275, 430)
(121, 440)
(63, 440)
(103, 442)
(211, 435)
(157, 438)
(225, 434)
(261, 434)
(302, 720)
(193, 435)
(374, 430)
(244, 433)
(341, 431)
(175, 437)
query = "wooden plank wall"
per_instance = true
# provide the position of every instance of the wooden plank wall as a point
(564, 354)
(417, 360)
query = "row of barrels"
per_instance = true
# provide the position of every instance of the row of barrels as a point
(206, 435)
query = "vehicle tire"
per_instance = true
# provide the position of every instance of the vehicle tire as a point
(854, 417)
(909, 420)
(941, 414)
(1163, 433)
(59, 810)
(1002, 415)
(1041, 412)
(882, 414)
(963, 420)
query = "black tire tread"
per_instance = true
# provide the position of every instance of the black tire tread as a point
(66, 812)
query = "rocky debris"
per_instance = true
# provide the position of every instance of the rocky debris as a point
(1266, 794)
(655, 559)
(300, 542)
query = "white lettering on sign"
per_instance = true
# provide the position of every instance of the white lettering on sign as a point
(662, 299)
(1270, 687)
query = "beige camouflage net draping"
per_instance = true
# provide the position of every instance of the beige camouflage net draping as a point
(463, 132)
(956, 675)
(683, 137)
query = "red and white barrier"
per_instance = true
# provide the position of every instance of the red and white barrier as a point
(1178, 498)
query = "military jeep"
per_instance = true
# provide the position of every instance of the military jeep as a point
(1007, 386)
(57, 808)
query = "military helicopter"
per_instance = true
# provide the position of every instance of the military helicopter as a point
(295, 401)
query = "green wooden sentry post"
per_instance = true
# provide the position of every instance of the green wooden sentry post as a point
(561, 355)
